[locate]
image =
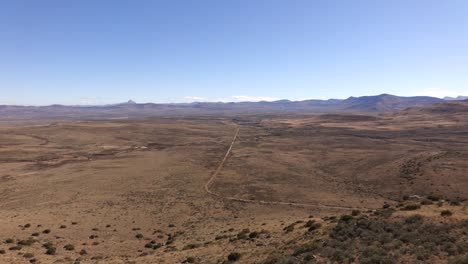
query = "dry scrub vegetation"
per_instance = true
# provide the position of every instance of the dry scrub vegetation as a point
(315, 189)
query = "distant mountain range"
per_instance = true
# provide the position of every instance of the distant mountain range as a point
(365, 104)
(458, 98)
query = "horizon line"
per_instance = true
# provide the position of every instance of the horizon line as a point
(205, 100)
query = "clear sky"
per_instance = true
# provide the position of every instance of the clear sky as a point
(107, 51)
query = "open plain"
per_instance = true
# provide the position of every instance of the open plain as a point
(186, 189)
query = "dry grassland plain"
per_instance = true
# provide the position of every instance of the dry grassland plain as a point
(133, 191)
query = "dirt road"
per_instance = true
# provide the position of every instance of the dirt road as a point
(209, 183)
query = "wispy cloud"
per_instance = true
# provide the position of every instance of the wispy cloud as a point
(439, 92)
(247, 98)
(93, 101)
(194, 99)
(234, 98)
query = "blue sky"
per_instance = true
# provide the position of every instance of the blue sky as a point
(107, 51)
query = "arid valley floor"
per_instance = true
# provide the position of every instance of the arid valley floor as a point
(135, 190)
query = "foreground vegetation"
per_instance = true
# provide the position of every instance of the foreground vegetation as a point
(380, 238)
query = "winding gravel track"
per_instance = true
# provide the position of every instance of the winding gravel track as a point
(209, 183)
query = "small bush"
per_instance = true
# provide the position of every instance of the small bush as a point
(314, 227)
(69, 247)
(414, 219)
(148, 245)
(26, 242)
(51, 250)
(35, 234)
(156, 246)
(346, 218)
(46, 231)
(47, 245)
(306, 248)
(253, 234)
(190, 246)
(446, 213)
(28, 255)
(190, 260)
(9, 240)
(83, 252)
(63, 226)
(219, 237)
(2, 251)
(289, 228)
(411, 207)
(16, 247)
(139, 236)
(235, 256)
(355, 212)
(243, 234)
(434, 197)
(426, 202)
